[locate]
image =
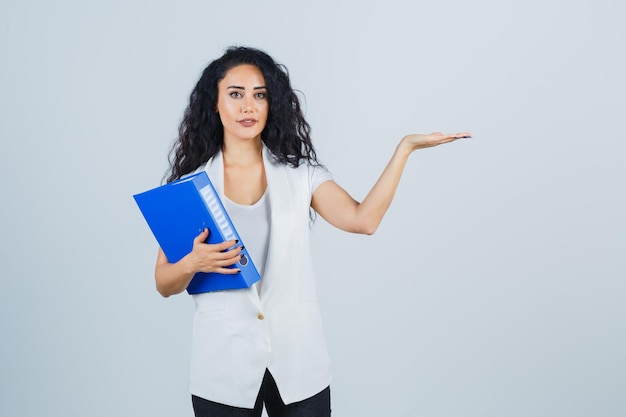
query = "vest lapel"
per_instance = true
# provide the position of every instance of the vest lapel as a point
(281, 206)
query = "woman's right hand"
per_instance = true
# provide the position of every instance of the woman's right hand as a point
(173, 278)
(206, 257)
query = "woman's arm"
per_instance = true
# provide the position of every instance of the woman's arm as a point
(338, 208)
(173, 278)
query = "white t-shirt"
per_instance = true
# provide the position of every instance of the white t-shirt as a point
(253, 225)
(253, 221)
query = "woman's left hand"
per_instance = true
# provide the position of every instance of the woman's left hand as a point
(418, 141)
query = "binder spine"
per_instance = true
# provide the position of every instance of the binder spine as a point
(218, 212)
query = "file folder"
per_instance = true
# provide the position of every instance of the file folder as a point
(177, 212)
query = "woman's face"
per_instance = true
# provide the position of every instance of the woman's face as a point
(242, 103)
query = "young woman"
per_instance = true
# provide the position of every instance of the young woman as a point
(264, 345)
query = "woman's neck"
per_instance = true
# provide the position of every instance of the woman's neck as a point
(242, 153)
(244, 171)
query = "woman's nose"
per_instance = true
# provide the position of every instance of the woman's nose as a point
(246, 105)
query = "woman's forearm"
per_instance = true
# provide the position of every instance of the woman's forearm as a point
(172, 278)
(370, 212)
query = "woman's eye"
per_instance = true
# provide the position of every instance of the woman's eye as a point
(260, 95)
(235, 94)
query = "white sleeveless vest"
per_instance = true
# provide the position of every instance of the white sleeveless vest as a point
(237, 334)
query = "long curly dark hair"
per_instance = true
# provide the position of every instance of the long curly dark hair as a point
(201, 134)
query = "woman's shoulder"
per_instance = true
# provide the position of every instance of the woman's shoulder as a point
(313, 174)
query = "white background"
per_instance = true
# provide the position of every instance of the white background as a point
(495, 286)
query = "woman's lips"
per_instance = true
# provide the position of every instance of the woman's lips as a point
(247, 122)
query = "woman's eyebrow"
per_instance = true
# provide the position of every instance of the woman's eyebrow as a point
(238, 87)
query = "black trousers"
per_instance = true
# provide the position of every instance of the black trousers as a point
(316, 406)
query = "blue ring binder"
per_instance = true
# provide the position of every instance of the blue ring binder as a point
(178, 211)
